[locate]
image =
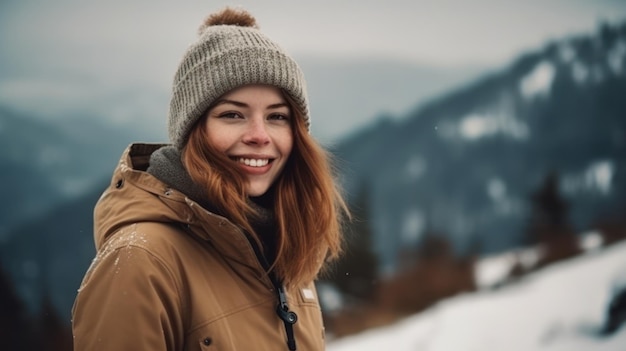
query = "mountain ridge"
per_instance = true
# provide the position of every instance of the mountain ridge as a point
(466, 163)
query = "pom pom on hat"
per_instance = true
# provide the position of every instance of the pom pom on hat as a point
(229, 17)
(231, 52)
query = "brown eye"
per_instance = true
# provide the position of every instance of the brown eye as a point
(230, 115)
(278, 117)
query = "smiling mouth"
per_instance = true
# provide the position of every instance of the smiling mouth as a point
(253, 162)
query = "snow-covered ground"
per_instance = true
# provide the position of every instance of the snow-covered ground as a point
(561, 307)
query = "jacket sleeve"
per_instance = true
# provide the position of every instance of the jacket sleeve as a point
(128, 300)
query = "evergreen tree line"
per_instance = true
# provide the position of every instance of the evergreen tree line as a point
(20, 330)
(432, 270)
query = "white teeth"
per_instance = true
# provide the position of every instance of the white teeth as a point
(254, 162)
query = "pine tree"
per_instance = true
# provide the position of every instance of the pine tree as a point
(549, 211)
(54, 333)
(549, 224)
(355, 273)
(16, 328)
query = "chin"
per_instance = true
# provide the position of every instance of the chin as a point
(257, 191)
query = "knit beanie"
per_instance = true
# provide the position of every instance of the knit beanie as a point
(230, 52)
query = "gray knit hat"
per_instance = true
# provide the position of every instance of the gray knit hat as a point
(230, 52)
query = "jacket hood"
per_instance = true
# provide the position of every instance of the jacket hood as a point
(136, 196)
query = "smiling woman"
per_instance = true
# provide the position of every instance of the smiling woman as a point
(215, 241)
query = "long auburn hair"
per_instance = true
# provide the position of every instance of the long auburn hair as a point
(308, 205)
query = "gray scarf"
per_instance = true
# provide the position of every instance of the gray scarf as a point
(166, 165)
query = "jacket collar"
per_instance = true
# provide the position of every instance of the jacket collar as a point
(135, 195)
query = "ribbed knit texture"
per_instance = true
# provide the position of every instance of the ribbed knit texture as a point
(224, 58)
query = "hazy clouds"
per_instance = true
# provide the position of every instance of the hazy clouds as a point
(56, 52)
(441, 31)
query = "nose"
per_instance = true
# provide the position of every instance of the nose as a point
(256, 132)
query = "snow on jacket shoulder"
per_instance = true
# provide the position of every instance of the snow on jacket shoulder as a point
(170, 275)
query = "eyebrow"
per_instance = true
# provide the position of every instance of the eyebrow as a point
(243, 104)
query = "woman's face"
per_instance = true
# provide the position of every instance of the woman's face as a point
(252, 126)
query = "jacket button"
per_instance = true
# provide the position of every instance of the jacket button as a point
(207, 341)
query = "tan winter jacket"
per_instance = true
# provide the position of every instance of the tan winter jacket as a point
(170, 275)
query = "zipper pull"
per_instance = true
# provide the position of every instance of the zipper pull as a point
(289, 318)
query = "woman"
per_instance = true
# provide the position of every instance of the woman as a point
(213, 242)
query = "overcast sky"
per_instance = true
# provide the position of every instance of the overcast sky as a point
(54, 48)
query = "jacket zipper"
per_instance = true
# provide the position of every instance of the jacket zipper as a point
(288, 317)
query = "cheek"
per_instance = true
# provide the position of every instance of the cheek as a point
(218, 139)
(285, 144)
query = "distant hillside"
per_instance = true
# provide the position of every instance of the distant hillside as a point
(49, 256)
(53, 172)
(22, 153)
(46, 163)
(466, 163)
(349, 93)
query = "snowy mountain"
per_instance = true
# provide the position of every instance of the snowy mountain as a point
(562, 307)
(466, 164)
